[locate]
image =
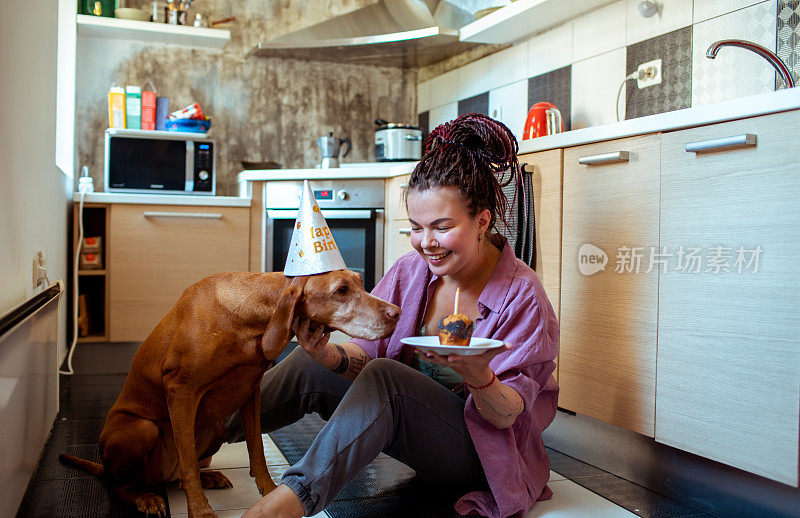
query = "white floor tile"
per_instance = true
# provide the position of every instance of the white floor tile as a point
(241, 496)
(235, 455)
(573, 501)
(555, 476)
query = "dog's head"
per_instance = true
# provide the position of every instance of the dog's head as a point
(338, 300)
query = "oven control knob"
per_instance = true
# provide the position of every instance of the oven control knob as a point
(203, 175)
(343, 195)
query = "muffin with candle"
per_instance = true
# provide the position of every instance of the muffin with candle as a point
(455, 329)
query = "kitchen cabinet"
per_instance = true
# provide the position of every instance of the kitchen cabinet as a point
(154, 252)
(728, 377)
(546, 178)
(397, 232)
(609, 292)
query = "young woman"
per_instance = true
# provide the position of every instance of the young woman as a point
(470, 424)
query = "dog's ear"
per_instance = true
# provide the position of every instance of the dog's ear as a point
(279, 328)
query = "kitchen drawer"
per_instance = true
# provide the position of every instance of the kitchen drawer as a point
(728, 385)
(608, 316)
(395, 208)
(396, 243)
(157, 251)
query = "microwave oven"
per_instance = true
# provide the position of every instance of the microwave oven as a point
(168, 162)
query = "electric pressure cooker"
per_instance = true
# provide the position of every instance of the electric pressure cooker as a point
(396, 142)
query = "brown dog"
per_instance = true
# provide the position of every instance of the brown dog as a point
(204, 361)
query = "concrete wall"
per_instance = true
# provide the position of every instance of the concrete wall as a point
(261, 109)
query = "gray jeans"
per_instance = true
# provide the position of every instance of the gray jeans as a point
(390, 408)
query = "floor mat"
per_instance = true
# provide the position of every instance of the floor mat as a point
(385, 487)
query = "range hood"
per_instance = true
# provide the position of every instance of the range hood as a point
(400, 33)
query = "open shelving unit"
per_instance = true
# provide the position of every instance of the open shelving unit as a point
(117, 28)
(524, 18)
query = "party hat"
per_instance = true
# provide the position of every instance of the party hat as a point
(312, 249)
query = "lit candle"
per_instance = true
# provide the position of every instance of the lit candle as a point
(455, 308)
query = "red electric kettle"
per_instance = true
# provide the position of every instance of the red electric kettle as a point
(543, 119)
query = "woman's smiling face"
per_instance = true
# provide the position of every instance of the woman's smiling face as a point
(442, 230)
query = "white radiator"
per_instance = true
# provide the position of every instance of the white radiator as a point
(28, 389)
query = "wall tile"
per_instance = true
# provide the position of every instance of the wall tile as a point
(672, 15)
(556, 87)
(423, 96)
(474, 78)
(424, 122)
(476, 104)
(442, 114)
(509, 65)
(550, 50)
(675, 90)
(509, 105)
(705, 9)
(735, 72)
(444, 89)
(789, 35)
(599, 31)
(595, 83)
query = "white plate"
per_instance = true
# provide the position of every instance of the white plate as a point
(431, 343)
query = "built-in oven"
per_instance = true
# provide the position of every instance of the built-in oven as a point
(353, 209)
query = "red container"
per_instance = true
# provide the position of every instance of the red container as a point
(543, 119)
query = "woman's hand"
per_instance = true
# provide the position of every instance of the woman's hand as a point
(474, 368)
(311, 337)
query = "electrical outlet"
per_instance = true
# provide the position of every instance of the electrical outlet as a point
(39, 269)
(649, 74)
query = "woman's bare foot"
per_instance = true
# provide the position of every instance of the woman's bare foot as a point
(281, 502)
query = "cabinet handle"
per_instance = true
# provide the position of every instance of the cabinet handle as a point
(406, 231)
(413, 137)
(605, 158)
(718, 144)
(194, 215)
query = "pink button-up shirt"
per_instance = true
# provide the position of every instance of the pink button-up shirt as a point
(513, 308)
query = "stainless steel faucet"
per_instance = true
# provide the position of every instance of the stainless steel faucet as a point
(765, 53)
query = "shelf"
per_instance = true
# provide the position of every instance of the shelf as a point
(525, 18)
(117, 28)
(91, 272)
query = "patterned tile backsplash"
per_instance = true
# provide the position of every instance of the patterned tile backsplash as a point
(580, 84)
(789, 35)
(675, 91)
(553, 87)
(477, 104)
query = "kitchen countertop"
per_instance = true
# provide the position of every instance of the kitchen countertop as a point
(770, 102)
(163, 199)
(349, 171)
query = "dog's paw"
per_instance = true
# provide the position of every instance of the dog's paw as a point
(211, 479)
(151, 504)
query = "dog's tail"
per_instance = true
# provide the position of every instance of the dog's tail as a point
(86, 465)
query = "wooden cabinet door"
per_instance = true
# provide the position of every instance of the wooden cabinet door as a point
(728, 385)
(608, 316)
(396, 234)
(395, 208)
(157, 251)
(546, 175)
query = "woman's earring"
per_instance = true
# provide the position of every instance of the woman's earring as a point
(480, 236)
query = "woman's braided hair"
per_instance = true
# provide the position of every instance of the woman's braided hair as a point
(477, 155)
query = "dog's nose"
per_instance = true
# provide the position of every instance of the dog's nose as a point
(393, 312)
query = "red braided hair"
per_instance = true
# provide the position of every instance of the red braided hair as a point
(477, 155)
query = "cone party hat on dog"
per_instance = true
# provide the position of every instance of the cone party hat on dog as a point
(312, 249)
